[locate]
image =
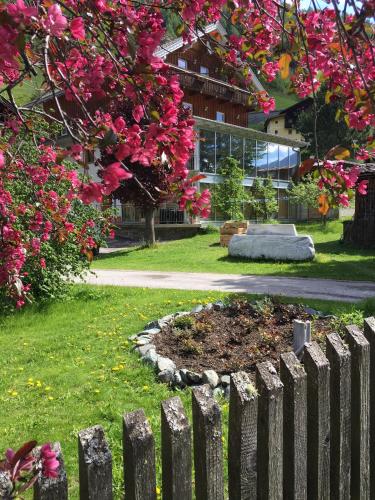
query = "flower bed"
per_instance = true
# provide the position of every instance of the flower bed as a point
(209, 343)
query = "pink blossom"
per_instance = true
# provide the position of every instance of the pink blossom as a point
(56, 22)
(77, 28)
(50, 464)
(362, 187)
(42, 263)
(91, 192)
(2, 160)
(112, 176)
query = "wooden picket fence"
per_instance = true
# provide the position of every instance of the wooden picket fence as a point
(307, 433)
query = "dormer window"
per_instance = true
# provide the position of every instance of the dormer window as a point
(203, 70)
(220, 117)
(182, 63)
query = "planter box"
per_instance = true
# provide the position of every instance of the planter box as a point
(229, 228)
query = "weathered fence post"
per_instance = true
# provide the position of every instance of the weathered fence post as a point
(270, 432)
(318, 422)
(176, 450)
(360, 353)
(95, 465)
(208, 446)
(139, 457)
(369, 332)
(242, 438)
(293, 376)
(53, 488)
(338, 355)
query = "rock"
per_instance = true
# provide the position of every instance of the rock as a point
(274, 247)
(267, 229)
(208, 307)
(182, 313)
(142, 350)
(218, 305)
(227, 392)
(193, 377)
(210, 377)
(165, 320)
(152, 324)
(183, 375)
(177, 380)
(165, 364)
(151, 357)
(311, 311)
(166, 376)
(133, 337)
(225, 380)
(218, 392)
(197, 309)
(150, 331)
(143, 340)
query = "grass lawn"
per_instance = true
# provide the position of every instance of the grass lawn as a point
(202, 253)
(69, 366)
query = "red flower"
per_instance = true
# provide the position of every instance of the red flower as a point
(77, 28)
(50, 464)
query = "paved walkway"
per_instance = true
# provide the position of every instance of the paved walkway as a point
(348, 291)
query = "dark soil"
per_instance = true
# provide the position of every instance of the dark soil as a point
(236, 337)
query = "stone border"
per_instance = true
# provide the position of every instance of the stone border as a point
(166, 369)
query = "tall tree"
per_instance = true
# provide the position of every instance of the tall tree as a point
(229, 195)
(263, 199)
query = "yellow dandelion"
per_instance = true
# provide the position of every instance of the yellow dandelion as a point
(14, 393)
(158, 491)
(50, 398)
(97, 391)
(146, 388)
(48, 388)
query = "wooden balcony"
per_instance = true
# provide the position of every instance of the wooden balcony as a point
(211, 87)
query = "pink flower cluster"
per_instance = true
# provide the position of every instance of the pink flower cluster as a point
(341, 181)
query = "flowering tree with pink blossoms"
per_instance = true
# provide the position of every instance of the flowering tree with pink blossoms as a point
(96, 52)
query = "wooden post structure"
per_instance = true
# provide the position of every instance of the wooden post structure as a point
(176, 450)
(53, 488)
(208, 446)
(139, 457)
(369, 333)
(360, 352)
(293, 377)
(242, 438)
(339, 358)
(318, 422)
(95, 465)
(270, 432)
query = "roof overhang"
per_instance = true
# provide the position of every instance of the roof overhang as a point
(173, 45)
(247, 133)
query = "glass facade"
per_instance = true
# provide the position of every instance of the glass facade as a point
(257, 158)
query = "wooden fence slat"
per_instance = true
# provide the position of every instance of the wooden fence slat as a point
(53, 488)
(293, 376)
(369, 332)
(270, 432)
(242, 438)
(339, 358)
(139, 457)
(208, 446)
(360, 354)
(95, 465)
(176, 450)
(318, 422)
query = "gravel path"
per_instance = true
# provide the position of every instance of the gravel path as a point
(347, 291)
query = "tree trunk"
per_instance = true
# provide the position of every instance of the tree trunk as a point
(150, 226)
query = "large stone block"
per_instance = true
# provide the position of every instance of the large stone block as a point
(274, 247)
(281, 229)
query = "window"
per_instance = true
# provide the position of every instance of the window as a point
(203, 70)
(236, 148)
(273, 160)
(276, 122)
(187, 105)
(222, 149)
(220, 117)
(276, 132)
(207, 151)
(290, 131)
(250, 157)
(182, 63)
(283, 162)
(261, 159)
